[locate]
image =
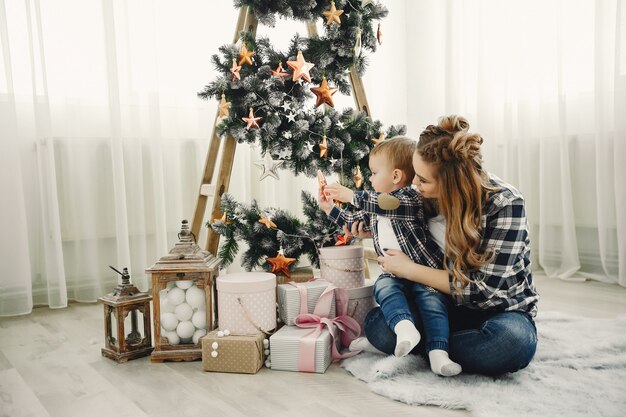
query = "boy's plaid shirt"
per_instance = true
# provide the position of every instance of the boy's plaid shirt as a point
(505, 283)
(408, 222)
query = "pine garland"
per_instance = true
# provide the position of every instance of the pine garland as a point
(291, 129)
(290, 234)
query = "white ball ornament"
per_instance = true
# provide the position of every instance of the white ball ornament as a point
(226, 332)
(183, 285)
(176, 296)
(169, 321)
(197, 335)
(266, 342)
(266, 351)
(268, 364)
(166, 306)
(195, 298)
(214, 345)
(199, 319)
(185, 330)
(214, 354)
(220, 333)
(172, 338)
(183, 312)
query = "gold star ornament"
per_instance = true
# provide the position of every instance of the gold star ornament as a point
(324, 148)
(267, 222)
(224, 107)
(251, 120)
(281, 264)
(358, 177)
(324, 94)
(300, 68)
(245, 56)
(332, 14)
(379, 139)
(222, 219)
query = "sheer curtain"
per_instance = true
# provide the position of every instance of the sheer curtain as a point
(103, 140)
(544, 82)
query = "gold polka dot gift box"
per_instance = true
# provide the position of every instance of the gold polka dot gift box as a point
(232, 353)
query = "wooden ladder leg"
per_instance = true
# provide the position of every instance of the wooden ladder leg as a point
(245, 21)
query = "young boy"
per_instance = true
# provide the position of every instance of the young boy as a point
(395, 214)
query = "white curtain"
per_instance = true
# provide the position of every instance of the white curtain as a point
(103, 140)
(544, 82)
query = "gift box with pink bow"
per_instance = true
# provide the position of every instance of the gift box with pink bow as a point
(315, 340)
(298, 298)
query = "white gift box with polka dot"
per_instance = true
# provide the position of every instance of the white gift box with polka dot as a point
(360, 302)
(246, 302)
(343, 266)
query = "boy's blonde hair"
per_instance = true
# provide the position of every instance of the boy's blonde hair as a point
(399, 153)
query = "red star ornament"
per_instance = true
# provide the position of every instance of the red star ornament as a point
(342, 240)
(324, 94)
(280, 72)
(251, 120)
(300, 68)
(245, 56)
(281, 264)
(235, 70)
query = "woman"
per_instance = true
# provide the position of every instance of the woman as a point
(480, 223)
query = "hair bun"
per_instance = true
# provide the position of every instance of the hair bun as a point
(466, 146)
(454, 124)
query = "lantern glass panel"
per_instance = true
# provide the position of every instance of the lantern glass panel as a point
(113, 333)
(133, 328)
(182, 312)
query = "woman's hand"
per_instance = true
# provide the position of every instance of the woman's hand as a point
(338, 192)
(357, 231)
(396, 263)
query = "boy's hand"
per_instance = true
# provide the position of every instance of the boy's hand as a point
(339, 192)
(325, 203)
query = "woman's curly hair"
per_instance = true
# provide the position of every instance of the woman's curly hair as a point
(463, 188)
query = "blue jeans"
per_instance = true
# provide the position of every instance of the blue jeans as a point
(392, 294)
(482, 342)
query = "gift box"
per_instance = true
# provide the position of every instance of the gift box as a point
(290, 300)
(247, 302)
(360, 302)
(239, 354)
(343, 266)
(303, 274)
(286, 348)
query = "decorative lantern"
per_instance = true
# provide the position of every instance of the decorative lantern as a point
(183, 290)
(124, 300)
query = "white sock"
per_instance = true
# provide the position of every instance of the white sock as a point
(407, 337)
(441, 364)
(361, 343)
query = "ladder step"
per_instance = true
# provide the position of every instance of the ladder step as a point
(207, 190)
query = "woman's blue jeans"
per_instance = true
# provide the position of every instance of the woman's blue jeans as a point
(481, 341)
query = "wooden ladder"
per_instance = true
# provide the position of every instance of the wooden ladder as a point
(208, 189)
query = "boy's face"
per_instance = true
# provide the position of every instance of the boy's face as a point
(424, 177)
(383, 177)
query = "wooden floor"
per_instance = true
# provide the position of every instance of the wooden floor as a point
(50, 365)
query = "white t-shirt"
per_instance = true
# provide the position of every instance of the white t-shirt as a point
(386, 237)
(437, 227)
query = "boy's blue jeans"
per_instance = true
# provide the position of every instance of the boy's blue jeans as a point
(481, 341)
(392, 294)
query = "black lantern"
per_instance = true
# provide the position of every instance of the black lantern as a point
(124, 339)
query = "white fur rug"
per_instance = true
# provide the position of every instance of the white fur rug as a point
(579, 370)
